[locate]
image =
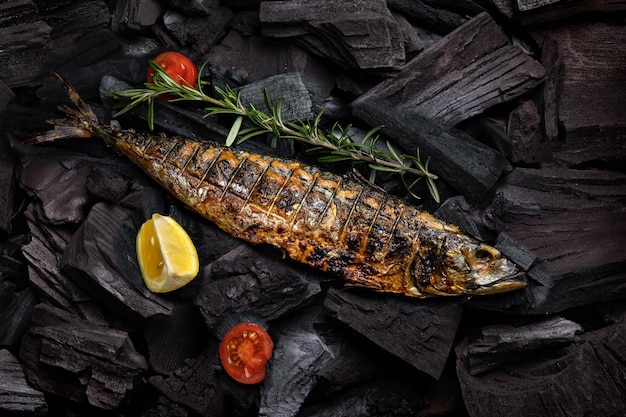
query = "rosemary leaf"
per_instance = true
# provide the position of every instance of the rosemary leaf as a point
(234, 131)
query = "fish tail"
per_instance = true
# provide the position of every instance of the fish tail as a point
(80, 122)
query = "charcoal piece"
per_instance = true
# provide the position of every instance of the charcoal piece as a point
(439, 18)
(455, 210)
(572, 221)
(526, 5)
(514, 251)
(16, 396)
(15, 309)
(166, 408)
(194, 384)
(290, 88)
(203, 7)
(603, 89)
(420, 333)
(469, 166)
(541, 11)
(300, 352)
(43, 254)
(584, 378)
(101, 258)
(198, 32)
(601, 147)
(354, 363)
(72, 20)
(471, 69)
(239, 59)
(75, 358)
(172, 339)
(354, 34)
(524, 131)
(497, 345)
(6, 95)
(135, 15)
(386, 397)
(247, 281)
(552, 61)
(24, 51)
(7, 185)
(61, 187)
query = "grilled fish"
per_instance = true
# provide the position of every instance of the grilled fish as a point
(339, 224)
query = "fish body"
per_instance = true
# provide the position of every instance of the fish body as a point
(339, 224)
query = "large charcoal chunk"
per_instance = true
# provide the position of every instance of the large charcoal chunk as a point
(584, 378)
(16, 396)
(466, 72)
(355, 34)
(420, 333)
(246, 281)
(75, 358)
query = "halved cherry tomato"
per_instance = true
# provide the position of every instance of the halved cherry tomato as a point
(178, 66)
(244, 351)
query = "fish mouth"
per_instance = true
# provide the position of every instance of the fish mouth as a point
(492, 272)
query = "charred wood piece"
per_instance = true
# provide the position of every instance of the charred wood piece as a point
(16, 396)
(497, 345)
(469, 70)
(542, 384)
(384, 320)
(72, 357)
(245, 280)
(354, 34)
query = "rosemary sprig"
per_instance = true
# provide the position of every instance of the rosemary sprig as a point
(338, 143)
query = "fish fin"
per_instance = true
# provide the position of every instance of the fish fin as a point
(84, 109)
(59, 132)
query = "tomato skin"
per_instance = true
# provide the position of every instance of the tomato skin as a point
(244, 351)
(178, 66)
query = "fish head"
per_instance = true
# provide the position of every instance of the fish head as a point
(456, 264)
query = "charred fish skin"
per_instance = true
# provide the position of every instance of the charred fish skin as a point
(333, 223)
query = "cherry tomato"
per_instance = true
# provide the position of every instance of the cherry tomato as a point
(178, 66)
(244, 351)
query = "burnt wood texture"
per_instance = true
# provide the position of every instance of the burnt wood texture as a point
(518, 103)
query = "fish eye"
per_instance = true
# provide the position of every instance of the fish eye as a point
(483, 255)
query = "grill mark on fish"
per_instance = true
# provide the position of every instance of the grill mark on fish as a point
(369, 238)
(331, 200)
(190, 158)
(344, 226)
(232, 177)
(167, 154)
(353, 208)
(278, 192)
(210, 166)
(302, 201)
(254, 187)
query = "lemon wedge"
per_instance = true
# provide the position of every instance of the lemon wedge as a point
(166, 254)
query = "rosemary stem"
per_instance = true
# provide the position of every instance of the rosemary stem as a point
(338, 141)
